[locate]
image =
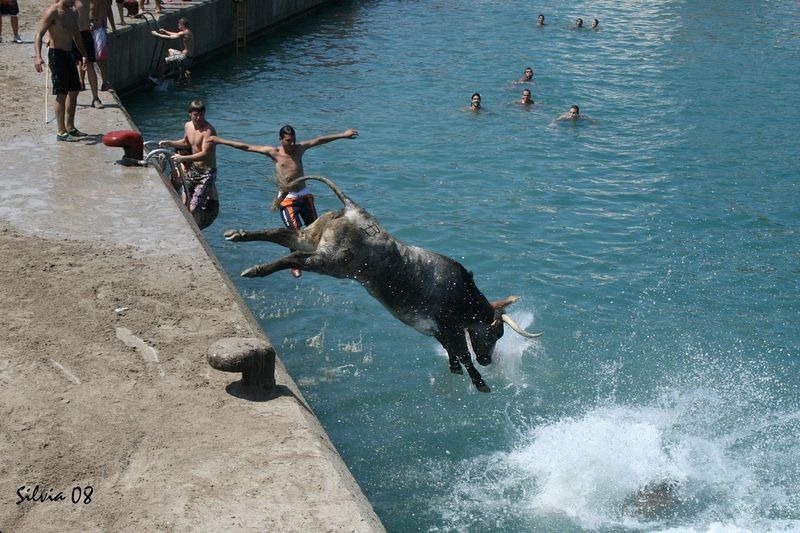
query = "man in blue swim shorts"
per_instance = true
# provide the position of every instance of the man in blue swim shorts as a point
(294, 199)
(61, 21)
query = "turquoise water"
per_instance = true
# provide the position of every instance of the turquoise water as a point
(656, 247)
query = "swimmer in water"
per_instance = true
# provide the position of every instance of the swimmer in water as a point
(475, 102)
(573, 115)
(578, 23)
(527, 76)
(595, 24)
(525, 99)
(540, 20)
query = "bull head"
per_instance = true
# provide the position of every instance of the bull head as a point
(483, 337)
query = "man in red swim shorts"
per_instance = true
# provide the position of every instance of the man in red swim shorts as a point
(294, 198)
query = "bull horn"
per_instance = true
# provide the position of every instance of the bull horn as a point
(516, 327)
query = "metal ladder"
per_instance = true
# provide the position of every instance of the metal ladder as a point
(158, 47)
(240, 24)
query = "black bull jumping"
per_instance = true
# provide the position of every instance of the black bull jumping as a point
(429, 292)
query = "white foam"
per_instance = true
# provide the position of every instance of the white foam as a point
(587, 471)
(585, 468)
(512, 349)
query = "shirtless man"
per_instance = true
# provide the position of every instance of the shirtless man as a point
(525, 99)
(187, 44)
(86, 24)
(199, 185)
(294, 199)
(527, 76)
(61, 21)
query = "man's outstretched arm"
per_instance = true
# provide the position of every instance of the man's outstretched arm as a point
(348, 134)
(245, 147)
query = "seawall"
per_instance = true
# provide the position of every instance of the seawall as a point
(132, 48)
(112, 420)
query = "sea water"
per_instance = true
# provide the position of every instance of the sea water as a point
(656, 246)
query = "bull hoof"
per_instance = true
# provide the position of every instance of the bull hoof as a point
(456, 370)
(483, 387)
(234, 235)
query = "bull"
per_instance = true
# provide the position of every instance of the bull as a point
(431, 293)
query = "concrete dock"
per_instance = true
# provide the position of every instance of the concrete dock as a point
(110, 417)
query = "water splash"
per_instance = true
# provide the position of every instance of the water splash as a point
(592, 471)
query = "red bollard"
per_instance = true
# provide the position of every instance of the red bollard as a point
(130, 141)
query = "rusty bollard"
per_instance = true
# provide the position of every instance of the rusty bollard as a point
(252, 356)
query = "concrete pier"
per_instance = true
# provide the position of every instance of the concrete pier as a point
(212, 22)
(111, 419)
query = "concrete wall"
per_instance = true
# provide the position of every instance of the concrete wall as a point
(133, 51)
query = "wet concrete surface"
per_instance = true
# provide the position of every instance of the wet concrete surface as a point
(77, 191)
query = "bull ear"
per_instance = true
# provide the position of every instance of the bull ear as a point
(516, 327)
(500, 305)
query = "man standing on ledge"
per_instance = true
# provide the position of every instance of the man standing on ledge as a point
(294, 199)
(61, 21)
(199, 186)
(86, 23)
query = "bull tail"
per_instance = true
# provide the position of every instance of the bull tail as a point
(338, 192)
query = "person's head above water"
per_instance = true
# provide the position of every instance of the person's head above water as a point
(527, 75)
(475, 101)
